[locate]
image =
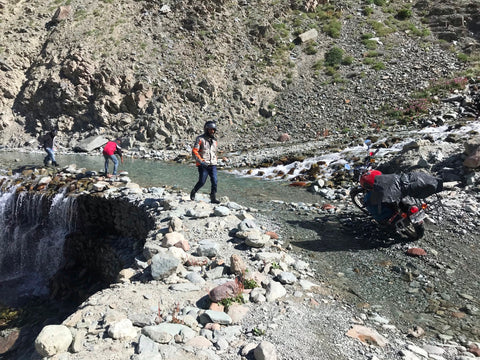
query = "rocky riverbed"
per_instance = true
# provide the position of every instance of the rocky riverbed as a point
(332, 285)
(347, 290)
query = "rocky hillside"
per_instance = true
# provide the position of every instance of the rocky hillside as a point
(153, 71)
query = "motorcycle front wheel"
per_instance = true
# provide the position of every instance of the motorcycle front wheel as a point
(357, 195)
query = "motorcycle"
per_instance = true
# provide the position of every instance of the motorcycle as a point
(405, 213)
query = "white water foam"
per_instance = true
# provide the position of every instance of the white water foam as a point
(32, 235)
(335, 160)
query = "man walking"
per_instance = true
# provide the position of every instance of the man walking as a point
(205, 153)
(49, 146)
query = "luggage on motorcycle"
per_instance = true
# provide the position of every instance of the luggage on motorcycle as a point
(391, 188)
(420, 185)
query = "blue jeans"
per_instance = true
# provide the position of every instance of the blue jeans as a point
(203, 173)
(115, 163)
(50, 156)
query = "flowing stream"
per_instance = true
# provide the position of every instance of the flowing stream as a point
(345, 250)
(150, 173)
(26, 230)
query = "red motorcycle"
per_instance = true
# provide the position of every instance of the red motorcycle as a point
(396, 201)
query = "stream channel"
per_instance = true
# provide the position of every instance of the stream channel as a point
(361, 264)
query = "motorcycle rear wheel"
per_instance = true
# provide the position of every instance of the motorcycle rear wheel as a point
(357, 195)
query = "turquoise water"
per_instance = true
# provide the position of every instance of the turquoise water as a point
(151, 173)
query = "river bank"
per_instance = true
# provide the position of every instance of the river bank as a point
(304, 305)
(363, 275)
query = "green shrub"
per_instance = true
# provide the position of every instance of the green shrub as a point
(380, 28)
(330, 71)
(462, 57)
(418, 32)
(334, 56)
(404, 14)
(372, 54)
(379, 66)
(370, 44)
(347, 60)
(379, 2)
(367, 36)
(368, 61)
(332, 28)
(311, 49)
(318, 65)
(250, 284)
(229, 301)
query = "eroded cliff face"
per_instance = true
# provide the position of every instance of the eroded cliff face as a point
(63, 229)
(153, 72)
(110, 233)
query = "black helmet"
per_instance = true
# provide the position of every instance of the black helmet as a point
(210, 125)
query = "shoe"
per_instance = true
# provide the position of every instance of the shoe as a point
(192, 195)
(213, 199)
(55, 163)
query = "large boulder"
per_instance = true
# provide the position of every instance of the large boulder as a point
(52, 340)
(91, 143)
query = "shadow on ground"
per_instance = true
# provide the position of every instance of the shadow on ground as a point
(344, 232)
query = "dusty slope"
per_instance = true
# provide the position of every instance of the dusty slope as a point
(154, 72)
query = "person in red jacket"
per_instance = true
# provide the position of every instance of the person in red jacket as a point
(205, 153)
(109, 151)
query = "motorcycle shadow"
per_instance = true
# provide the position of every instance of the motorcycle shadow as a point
(345, 232)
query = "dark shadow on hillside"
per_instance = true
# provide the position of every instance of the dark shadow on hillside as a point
(345, 232)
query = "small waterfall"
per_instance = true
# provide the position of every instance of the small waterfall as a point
(33, 227)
